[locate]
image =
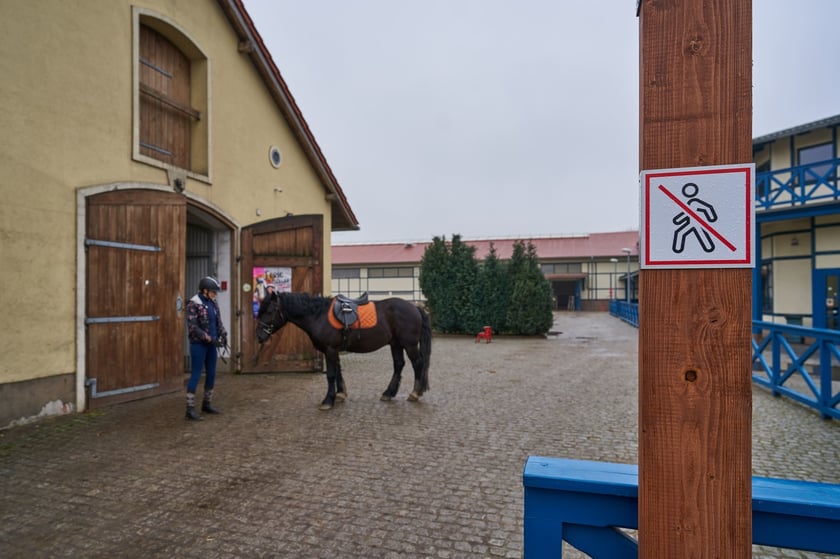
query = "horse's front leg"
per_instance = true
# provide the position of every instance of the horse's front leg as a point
(399, 363)
(333, 371)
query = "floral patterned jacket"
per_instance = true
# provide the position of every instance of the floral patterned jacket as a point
(198, 321)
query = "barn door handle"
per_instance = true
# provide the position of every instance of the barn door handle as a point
(179, 303)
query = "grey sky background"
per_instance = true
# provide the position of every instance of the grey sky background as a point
(502, 118)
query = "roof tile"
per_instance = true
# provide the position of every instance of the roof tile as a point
(574, 247)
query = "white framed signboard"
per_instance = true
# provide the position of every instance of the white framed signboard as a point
(698, 217)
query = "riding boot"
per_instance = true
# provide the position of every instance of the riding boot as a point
(191, 413)
(207, 406)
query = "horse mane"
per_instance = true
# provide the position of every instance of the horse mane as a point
(303, 304)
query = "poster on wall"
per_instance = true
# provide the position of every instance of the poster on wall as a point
(266, 280)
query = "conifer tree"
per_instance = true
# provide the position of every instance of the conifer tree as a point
(465, 279)
(436, 281)
(463, 295)
(493, 292)
(530, 309)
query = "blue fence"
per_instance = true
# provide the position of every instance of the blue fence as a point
(800, 363)
(628, 312)
(796, 186)
(591, 505)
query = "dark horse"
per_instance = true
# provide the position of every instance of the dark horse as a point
(399, 324)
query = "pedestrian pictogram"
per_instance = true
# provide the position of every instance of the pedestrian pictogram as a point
(699, 217)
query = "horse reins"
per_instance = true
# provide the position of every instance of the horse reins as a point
(224, 353)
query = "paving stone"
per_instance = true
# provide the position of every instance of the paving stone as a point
(275, 477)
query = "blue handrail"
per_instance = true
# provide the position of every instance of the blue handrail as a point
(803, 372)
(628, 312)
(797, 186)
(587, 503)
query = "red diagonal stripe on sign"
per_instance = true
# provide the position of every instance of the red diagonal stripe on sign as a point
(702, 221)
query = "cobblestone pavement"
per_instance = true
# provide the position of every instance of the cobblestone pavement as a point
(275, 477)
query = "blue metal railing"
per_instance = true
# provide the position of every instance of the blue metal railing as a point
(628, 312)
(801, 371)
(797, 186)
(588, 503)
(804, 372)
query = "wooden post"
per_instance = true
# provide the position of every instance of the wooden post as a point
(694, 333)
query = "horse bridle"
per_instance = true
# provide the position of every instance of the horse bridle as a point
(268, 329)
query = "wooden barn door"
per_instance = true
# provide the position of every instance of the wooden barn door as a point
(291, 243)
(134, 321)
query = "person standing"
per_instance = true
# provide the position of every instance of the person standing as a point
(206, 332)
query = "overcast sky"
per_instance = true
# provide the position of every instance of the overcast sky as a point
(503, 118)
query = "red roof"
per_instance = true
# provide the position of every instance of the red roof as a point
(575, 247)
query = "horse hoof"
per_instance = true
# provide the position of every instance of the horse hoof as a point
(325, 407)
(340, 396)
(413, 397)
(385, 398)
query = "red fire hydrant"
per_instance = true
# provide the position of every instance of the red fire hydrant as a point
(486, 335)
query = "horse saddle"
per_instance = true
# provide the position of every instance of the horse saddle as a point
(352, 313)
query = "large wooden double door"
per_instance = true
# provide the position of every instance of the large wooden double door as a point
(135, 293)
(134, 240)
(294, 244)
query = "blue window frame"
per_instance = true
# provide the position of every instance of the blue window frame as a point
(816, 154)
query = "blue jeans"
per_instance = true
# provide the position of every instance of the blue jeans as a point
(202, 356)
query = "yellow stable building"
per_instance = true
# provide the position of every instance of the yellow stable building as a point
(144, 146)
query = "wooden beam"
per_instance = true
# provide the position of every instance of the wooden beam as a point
(694, 325)
(169, 102)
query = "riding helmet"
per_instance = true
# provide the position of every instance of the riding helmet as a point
(210, 284)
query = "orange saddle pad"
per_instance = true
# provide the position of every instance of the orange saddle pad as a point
(367, 317)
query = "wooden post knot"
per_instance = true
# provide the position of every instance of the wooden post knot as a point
(695, 45)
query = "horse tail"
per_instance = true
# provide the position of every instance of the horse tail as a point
(425, 347)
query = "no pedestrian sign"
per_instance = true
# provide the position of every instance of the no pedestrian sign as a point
(698, 217)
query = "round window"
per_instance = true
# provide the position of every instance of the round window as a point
(275, 157)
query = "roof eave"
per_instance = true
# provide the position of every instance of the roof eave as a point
(801, 129)
(251, 43)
